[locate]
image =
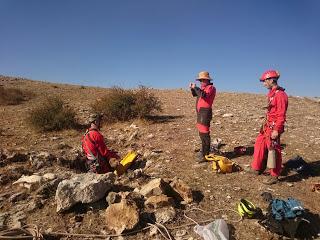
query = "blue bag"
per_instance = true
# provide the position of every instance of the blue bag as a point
(289, 209)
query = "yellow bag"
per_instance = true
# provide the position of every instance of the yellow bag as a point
(125, 163)
(222, 164)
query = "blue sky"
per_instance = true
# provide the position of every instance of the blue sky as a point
(164, 43)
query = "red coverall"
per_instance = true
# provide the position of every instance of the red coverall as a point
(205, 96)
(96, 151)
(275, 119)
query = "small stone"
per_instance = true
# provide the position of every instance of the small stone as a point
(181, 233)
(150, 136)
(164, 215)
(153, 231)
(227, 115)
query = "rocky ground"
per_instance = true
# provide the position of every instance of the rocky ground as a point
(167, 144)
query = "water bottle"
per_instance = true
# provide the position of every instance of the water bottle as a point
(271, 161)
(216, 230)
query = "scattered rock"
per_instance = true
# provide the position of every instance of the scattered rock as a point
(30, 182)
(154, 187)
(159, 201)
(41, 159)
(113, 197)
(181, 233)
(181, 190)
(18, 197)
(83, 188)
(164, 215)
(16, 219)
(150, 136)
(216, 143)
(226, 115)
(3, 218)
(14, 157)
(153, 231)
(122, 216)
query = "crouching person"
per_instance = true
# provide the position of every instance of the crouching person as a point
(99, 159)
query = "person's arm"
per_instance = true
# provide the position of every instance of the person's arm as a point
(282, 104)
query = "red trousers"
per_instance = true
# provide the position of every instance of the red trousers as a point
(260, 154)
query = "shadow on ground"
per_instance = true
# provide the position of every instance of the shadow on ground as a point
(163, 118)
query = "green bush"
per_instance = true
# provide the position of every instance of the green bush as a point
(12, 96)
(53, 114)
(122, 105)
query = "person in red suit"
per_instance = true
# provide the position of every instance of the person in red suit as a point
(99, 159)
(273, 127)
(205, 96)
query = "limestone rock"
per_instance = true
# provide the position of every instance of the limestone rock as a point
(164, 215)
(154, 187)
(182, 190)
(83, 188)
(30, 182)
(122, 216)
(159, 201)
(112, 198)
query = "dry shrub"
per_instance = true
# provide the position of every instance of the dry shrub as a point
(122, 105)
(145, 103)
(13, 96)
(53, 114)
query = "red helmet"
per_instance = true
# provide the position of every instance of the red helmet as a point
(270, 74)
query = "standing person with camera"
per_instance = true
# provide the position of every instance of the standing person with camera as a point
(205, 96)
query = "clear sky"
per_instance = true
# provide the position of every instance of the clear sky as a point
(164, 43)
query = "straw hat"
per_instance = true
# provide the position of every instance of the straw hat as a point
(203, 75)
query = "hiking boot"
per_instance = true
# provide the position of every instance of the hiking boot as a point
(271, 180)
(200, 159)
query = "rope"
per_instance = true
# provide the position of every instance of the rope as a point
(32, 231)
(156, 225)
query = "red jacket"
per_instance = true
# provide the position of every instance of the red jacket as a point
(93, 141)
(206, 96)
(277, 108)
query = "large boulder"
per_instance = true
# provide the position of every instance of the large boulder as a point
(83, 188)
(122, 216)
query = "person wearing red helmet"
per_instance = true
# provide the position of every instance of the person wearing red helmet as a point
(273, 127)
(205, 97)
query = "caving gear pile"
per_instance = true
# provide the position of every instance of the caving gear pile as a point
(222, 164)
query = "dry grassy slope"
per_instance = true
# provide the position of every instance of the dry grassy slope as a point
(175, 134)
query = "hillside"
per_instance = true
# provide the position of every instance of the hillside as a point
(168, 142)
